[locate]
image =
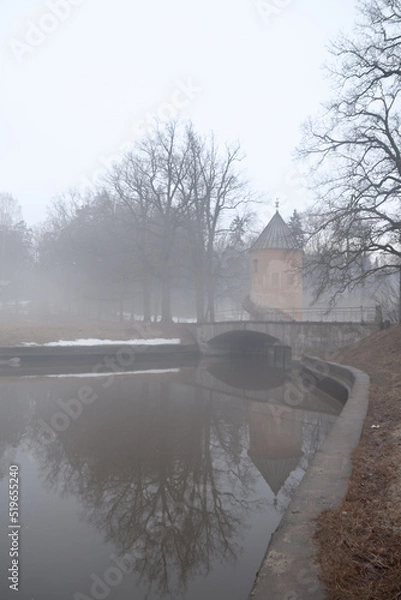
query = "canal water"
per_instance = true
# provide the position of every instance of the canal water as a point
(155, 484)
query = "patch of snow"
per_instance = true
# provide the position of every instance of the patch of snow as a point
(185, 319)
(98, 342)
(108, 374)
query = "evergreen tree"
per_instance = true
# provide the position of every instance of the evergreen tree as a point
(295, 225)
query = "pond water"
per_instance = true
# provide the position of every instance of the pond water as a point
(164, 483)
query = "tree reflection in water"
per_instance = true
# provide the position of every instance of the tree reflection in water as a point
(14, 421)
(162, 471)
(167, 471)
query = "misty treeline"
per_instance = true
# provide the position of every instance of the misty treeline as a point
(16, 252)
(167, 228)
(353, 149)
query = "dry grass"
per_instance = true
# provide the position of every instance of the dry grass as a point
(360, 541)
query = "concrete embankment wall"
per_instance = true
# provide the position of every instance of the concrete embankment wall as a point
(31, 352)
(289, 570)
(48, 359)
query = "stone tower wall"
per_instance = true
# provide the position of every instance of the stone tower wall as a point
(276, 279)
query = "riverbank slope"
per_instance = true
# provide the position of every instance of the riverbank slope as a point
(360, 541)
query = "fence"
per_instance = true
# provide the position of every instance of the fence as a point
(353, 314)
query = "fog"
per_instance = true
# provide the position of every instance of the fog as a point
(139, 163)
(81, 80)
(119, 256)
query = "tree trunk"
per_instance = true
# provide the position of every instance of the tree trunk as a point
(199, 275)
(200, 301)
(210, 300)
(399, 298)
(121, 309)
(146, 300)
(166, 299)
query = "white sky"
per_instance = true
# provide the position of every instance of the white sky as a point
(70, 103)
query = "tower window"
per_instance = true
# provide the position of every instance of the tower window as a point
(255, 265)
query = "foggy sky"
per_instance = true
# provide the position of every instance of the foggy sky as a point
(81, 78)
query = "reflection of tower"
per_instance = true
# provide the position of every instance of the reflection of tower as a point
(275, 442)
(276, 278)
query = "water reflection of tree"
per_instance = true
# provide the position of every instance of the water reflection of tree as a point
(166, 480)
(14, 419)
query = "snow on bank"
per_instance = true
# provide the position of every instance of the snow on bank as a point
(98, 342)
(106, 374)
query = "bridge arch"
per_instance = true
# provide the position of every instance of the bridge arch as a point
(303, 337)
(243, 342)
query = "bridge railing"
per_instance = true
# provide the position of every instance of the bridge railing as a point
(354, 314)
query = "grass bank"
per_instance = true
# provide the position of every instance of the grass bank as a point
(359, 542)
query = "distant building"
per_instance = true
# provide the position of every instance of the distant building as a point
(276, 274)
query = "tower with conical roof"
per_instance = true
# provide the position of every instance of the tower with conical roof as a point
(276, 274)
(276, 438)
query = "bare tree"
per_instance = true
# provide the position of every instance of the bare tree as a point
(150, 182)
(169, 218)
(10, 210)
(126, 182)
(354, 151)
(219, 192)
(185, 193)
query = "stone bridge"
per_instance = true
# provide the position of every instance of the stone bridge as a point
(246, 337)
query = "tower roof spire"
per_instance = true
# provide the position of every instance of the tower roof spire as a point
(276, 234)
